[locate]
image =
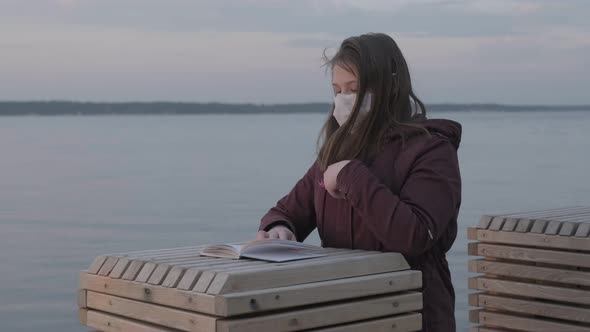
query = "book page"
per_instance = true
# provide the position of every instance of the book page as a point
(290, 243)
(237, 247)
(222, 251)
(280, 251)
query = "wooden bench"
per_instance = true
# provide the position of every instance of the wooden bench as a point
(536, 271)
(179, 290)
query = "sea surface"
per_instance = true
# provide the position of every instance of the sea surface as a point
(74, 187)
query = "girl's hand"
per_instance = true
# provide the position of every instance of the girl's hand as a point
(330, 176)
(277, 232)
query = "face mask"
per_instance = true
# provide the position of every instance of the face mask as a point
(343, 105)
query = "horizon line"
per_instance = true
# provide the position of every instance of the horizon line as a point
(488, 104)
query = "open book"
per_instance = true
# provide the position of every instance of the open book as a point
(273, 250)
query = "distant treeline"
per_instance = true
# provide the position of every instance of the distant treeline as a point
(130, 108)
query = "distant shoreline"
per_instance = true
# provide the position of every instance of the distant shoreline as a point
(16, 108)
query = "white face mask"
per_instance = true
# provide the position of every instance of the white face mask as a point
(343, 105)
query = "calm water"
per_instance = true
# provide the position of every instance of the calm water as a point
(76, 187)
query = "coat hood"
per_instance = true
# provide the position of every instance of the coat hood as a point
(442, 127)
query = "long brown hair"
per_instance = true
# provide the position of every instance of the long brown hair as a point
(381, 69)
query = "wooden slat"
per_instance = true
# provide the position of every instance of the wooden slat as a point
(553, 227)
(159, 274)
(399, 323)
(308, 294)
(162, 271)
(533, 221)
(529, 239)
(496, 224)
(149, 268)
(539, 226)
(150, 313)
(583, 230)
(128, 267)
(162, 253)
(193, 273)
(541, 214)
(81, 298)
(510, 224)
(157, 251)
(485, 221)
(524, 225)
(185, 258)
(83, 316)
(120, 267)
(558, 214)
(578, 218)
(529, 254)
(531, 307)
(133, 270)
(562, 294)
(309, 271)
(189, 278)
(124, 262)
(207, 276)
(176, 275)
(97, 264)
(145, 272)
(173, 277)
(563, 276)
(537, 212)
(181, 260)
(521, 323)
(108, 266)
(111, 323)
(555, 224)
(327, 315)
(567, 229)
(149, 293)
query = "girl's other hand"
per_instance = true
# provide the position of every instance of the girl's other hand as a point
(330, 176)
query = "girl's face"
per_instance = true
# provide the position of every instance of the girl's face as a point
(343, 81)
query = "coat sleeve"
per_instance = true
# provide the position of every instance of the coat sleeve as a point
(296, 210)
(411, 221)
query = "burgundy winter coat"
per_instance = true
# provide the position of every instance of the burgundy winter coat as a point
(405, 201)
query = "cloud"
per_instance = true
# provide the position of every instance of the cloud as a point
(337, 17)
(67, 3)
(271, 51)
(498, 7)
(368, 5)
(316, 42)
(70, 48)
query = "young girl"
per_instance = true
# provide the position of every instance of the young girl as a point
(385, 178)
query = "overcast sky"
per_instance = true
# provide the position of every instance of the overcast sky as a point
(269, 51)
